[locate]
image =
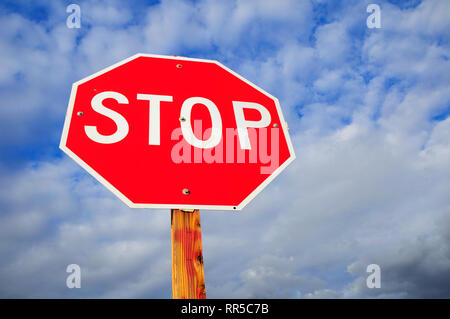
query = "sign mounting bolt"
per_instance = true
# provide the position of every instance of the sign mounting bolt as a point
(179, 66)
(186, 191)
(80, 113)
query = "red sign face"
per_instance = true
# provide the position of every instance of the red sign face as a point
(173, 132)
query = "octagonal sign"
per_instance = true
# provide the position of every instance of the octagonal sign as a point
(175, 132)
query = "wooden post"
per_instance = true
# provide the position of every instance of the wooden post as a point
(188, 278)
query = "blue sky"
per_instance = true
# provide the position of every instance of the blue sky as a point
(368, 111)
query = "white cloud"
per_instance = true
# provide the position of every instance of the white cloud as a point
(53, 216)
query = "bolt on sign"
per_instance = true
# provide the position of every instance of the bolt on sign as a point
(175, 132)
(179, 133)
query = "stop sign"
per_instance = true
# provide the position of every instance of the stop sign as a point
(175, 132)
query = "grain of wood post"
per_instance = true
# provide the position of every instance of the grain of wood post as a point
(188, 278)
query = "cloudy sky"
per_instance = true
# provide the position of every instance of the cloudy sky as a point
(368, 111)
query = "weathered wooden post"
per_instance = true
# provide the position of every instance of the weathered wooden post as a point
(188, 278)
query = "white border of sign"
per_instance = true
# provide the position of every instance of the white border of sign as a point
(91, 171)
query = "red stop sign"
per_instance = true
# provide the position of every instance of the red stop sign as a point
(173, 132)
